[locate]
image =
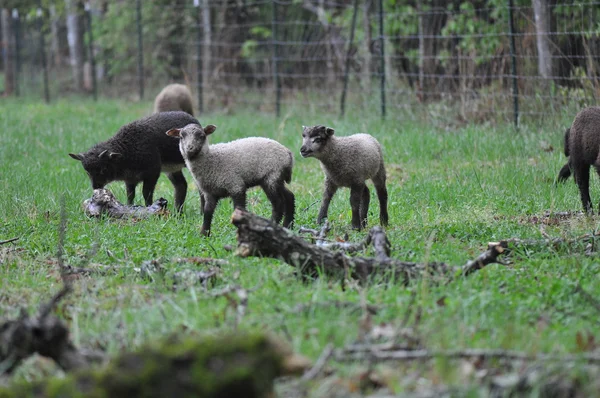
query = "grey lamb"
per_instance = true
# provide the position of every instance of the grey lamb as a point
(348, 162)
(174, 97)
(138, 152)
(230, 169)
(582, 145)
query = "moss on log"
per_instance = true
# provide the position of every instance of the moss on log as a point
(227, 366)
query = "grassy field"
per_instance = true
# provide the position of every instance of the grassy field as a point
(451, 192)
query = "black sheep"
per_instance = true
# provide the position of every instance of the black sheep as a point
(139, 152)
(582, 145)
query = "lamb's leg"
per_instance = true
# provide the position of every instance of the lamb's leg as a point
(180, 185)
(209, 209)
(239, 200)
(130, 186)
(356, 193)
(148, 187)
(202, 201)
(290, 207)
(582, 178)
(364, 206)
(330, 189)
(382, 195)
(275, 196)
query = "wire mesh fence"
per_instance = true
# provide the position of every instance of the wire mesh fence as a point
(499, 60)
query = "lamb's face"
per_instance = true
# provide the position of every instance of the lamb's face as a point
(314, 140)
(192, 139)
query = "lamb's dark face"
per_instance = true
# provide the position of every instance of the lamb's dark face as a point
(101, 165)
(192, 139)
(314, 140)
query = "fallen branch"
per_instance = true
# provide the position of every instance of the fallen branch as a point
(320, 239)
(378, 354)
(370, 308)
(258, 236)
(3, 242)
(320, 364)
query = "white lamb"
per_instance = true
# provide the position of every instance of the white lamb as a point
(230, 169)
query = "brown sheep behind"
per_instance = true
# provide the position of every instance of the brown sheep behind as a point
(174, 97)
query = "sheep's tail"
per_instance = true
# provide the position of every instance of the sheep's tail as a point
(567, 133)
(287, 171)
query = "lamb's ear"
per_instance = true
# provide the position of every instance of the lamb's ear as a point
(77, 156)
(174, 133)
(329, 131)
(210, 129)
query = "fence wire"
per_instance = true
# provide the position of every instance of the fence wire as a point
(403, 58)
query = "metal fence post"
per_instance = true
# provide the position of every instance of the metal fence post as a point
(515, 87)
(140, 48)
(40, 22)
(347, 66)
(200, 61)
(382, 38)
(275, 45)
(15, 15)
(88, 12)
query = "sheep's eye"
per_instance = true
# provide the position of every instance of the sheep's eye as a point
(317, 140)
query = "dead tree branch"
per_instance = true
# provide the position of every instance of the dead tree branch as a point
(377, 354)
(258, 236)
(3, 242)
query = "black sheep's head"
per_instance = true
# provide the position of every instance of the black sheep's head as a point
(192, 139)
(102, 165)
(314, 140)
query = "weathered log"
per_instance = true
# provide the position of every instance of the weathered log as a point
(236, 365)
(103, 202)
(258, 236)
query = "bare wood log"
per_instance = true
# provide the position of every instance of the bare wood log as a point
(103, 202)
(258, 236)
(232, 365)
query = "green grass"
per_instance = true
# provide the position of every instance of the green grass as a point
(450, 192)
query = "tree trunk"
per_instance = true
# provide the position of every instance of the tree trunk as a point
(75, 38)
(541, 10)
(431, 22)
(366, 68)
(8, 51)
(59, 46)
(206, 45)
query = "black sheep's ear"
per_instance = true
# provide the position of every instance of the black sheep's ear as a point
(210, 129)
(329, 131)
(77, 156)
(174, 133)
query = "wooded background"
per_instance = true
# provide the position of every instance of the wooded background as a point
(478, 60)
